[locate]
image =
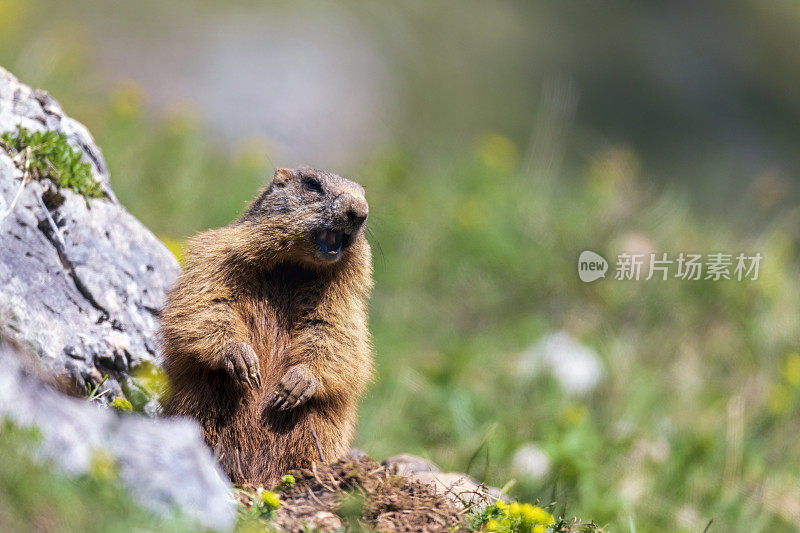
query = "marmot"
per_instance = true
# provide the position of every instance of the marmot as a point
(264, 334)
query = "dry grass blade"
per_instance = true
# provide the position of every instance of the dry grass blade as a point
(388, 502)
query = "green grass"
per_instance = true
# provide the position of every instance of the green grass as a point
(35, 498)
(47, 155)
(479, 263)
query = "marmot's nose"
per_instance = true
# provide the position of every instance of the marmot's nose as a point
(356, 209)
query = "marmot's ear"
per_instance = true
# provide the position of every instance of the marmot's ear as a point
(283, 175)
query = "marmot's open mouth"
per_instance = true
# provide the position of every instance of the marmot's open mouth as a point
(331, 242)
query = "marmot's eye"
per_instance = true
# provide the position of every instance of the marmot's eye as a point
(312, 184)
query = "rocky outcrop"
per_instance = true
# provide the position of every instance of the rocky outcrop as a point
(86, 295)
(80, 290)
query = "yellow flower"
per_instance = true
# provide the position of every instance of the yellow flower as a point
(791, 369)
(611, 170)
(181, 121)
(152, 379)
(539, 528)
(12, 15)
(501, 506)
(492, 525)
(470, 213)
(127, 99)
(574, 414)
(536, 515)
(121, 404)
(178, 248)
(528, 512)
(253, 152)
(103, 465)
(497, 151)
(779, 399)
(547, 518)
(271, 499)
(514, 509)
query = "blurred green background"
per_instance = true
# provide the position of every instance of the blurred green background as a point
(496, 141)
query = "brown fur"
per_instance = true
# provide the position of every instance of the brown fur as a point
(261, 281)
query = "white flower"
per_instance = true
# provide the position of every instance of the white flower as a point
(531, 461)
(575, 366)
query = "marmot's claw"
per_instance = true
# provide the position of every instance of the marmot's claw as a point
(294, 389)
(241, 363)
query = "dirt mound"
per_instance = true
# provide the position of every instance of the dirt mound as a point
(362, 494)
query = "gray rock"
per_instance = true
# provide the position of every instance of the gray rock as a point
(164, 463)
(356, 454)
(86, 297)
(405, 464)
(459, 488)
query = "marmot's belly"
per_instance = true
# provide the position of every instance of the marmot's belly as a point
(260, 447)
(257, 446)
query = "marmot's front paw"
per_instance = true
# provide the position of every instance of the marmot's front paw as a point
(295, 388)
(241, 363)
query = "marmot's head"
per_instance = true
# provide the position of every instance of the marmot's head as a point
(312, 215)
